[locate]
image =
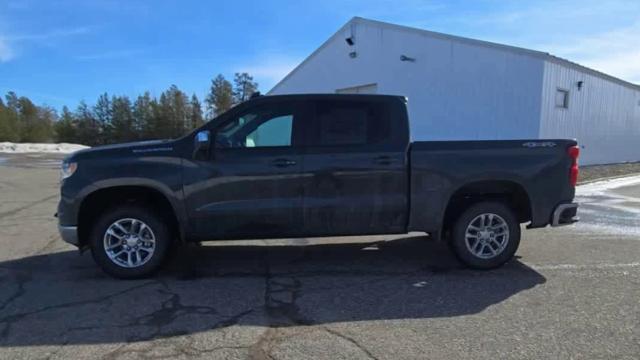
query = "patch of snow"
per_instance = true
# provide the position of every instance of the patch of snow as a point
(600, 187)
(21, 148)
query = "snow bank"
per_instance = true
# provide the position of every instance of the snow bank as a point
(62, 148)
(599, 187)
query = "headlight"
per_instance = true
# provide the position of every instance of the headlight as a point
(67, 169)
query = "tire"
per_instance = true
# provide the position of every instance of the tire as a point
(139, 256)
(486, 248)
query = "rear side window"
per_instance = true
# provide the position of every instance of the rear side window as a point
(350, 123)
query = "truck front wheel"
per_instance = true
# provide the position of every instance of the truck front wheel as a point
(486, 235)
(129, 242)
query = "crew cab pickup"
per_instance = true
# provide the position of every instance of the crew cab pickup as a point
(311, 166)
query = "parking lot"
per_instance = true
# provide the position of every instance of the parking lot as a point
(572, 292)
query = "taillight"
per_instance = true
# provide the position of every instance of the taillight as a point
(574, 152)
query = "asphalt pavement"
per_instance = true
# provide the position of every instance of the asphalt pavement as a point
(572, 292)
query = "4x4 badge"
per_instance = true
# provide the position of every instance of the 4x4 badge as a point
(532, 144)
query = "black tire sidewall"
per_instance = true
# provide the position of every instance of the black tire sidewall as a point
(458, 239)
(160, 231)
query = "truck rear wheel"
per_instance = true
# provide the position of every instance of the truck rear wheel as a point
(129, 242)
(486, 235)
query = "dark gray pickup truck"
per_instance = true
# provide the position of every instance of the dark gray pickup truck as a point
(312, 165)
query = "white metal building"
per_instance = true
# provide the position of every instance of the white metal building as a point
(463, 89)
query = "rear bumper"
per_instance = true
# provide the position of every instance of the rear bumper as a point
(565, 214)
(69, 234)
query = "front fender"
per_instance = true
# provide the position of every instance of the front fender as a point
(162, 174)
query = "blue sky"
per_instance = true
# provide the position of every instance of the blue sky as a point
(61, 52)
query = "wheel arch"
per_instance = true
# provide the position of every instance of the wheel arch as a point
(94, 203)
(510, 192)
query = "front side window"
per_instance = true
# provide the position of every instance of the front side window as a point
(274, 132)
(256, 129)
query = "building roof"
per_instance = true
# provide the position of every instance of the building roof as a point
(522, 51)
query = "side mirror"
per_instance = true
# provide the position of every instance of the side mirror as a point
(202, 143)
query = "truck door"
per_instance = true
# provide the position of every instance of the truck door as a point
(355, 168)
(251, 187)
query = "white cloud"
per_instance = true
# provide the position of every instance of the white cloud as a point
(6, 52)
(114, 54)
(9, 43)
(52, 34)
(614, 52)
(601, 35)
(624, 65)
(267, 70)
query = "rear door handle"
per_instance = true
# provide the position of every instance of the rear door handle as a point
(383, 160)
(283, 162)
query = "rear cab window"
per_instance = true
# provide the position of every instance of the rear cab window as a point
(350, 123)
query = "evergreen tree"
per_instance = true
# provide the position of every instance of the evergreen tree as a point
(243, 87)
(102, 109)
(42, 130)
(87, 128)
(28, 120)
(21, 120)
(122, 122)
(196, 118)
(162, 114)
(180, 112)
(116, 119)
(220, 97)
(103, 114)
(65, 127)
(13, 103)
(143, 117)
(8, 123)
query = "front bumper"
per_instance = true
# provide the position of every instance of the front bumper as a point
(69, 234)
(565, 214)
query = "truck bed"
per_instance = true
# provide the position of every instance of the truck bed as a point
(539, 169)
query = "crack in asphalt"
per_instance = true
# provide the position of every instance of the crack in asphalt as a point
(350, 340)
(52, 241)
(281, 293)
(22, 278)
(187, 348)
(171, 309)
(278, 310)
(24, 207)
(10, 319)
(57, 350)
(282, 290)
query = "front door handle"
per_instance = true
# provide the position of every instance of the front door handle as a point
(283, 162)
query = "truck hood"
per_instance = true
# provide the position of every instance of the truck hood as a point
(138, 148)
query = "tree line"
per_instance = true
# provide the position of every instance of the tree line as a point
(114, 119)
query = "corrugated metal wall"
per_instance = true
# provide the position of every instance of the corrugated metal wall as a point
(456, 90)
(459, 90)
(603, 115)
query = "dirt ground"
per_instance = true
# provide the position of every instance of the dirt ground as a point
(595, 172)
